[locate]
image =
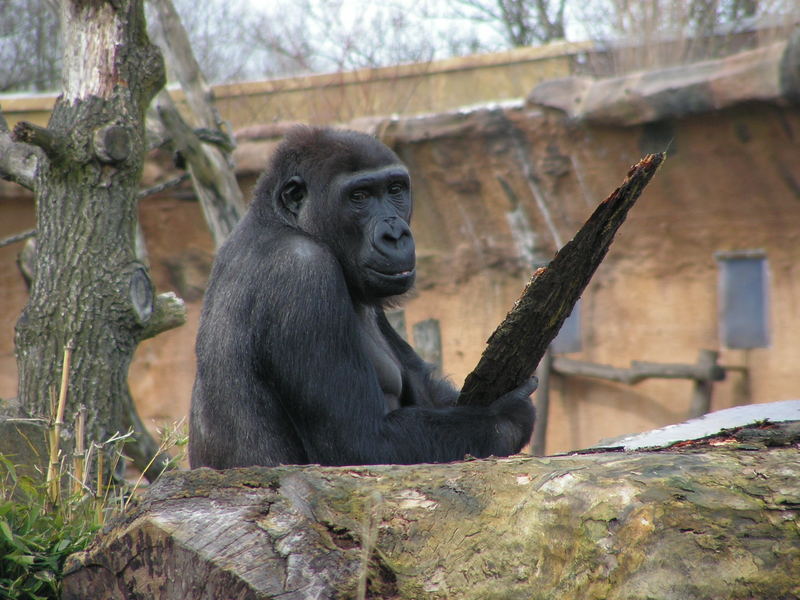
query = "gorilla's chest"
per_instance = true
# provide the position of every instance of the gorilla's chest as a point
(386, 364)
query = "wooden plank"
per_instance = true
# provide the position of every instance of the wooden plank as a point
(518, 344)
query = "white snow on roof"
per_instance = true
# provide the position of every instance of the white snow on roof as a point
(707, 425)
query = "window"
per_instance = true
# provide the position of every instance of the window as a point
(743, 302)
(397, 319)
(569, 336)
(428, 342)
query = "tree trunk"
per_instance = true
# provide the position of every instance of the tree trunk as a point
(89, 287)
(715, 525)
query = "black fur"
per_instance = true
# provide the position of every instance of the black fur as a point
(296, 362)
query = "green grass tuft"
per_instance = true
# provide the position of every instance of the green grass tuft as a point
(36, 537)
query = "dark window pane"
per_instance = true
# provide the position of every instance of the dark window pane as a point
(569, 336)
(743, 301)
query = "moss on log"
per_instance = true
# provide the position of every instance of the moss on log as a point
(717, 524)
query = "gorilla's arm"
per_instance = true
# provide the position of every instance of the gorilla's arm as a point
(307, 325)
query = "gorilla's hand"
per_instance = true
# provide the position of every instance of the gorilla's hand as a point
(516, 414)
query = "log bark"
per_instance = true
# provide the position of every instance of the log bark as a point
(515, 348)
(719, 525)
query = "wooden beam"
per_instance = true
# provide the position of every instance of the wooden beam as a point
(518, 344)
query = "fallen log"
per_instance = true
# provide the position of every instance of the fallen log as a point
(714, 524)
(515, 348)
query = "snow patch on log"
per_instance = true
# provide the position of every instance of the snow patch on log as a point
(708, 425)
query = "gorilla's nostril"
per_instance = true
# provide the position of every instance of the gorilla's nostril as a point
(391, 231)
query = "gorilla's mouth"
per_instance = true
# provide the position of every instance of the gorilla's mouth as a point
(380, 284)
(395, 275)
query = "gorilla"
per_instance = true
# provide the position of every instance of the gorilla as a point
(296, 361)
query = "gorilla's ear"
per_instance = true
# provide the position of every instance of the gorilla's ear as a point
(292, 194)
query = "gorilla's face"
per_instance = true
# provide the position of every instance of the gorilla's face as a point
(364, 217)
(376, 206)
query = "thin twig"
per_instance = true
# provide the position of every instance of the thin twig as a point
(17, 237)
(27, 420)
(166, 442)
(175, 181)
(53, 483)
(79, 457)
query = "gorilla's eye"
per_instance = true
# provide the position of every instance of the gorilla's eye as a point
(396, 188)
(358, 195)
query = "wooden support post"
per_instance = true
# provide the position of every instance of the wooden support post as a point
(397, 319)
(428, 342)
(704, 373)
(542, 405)
(701, 396)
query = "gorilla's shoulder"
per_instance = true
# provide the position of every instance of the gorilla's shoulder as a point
(302, 249)
(300, 257)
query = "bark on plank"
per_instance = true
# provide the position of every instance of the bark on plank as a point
(719, 524)
(518, 344)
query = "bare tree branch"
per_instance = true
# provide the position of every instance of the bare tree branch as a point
(522, 22)
(18, 161)
(19, 237)
(171, 37)
(30, 53)
(213, 179)
(169, 312)
(41, 137)
(156, 189)
(211, 166)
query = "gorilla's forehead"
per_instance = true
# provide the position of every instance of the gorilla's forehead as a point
(367, 177)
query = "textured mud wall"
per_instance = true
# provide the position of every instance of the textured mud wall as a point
(498, 190)
(730, 183)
